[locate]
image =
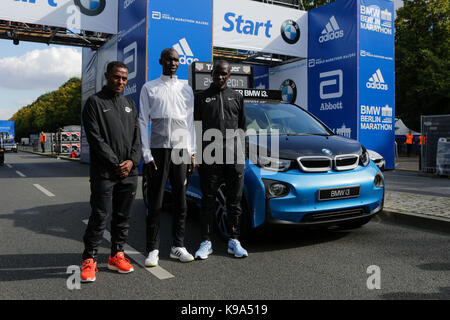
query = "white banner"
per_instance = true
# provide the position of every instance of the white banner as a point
(91, 15)
(250, 25)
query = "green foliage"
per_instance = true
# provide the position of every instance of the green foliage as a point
(51, 111)
(311, 4)
(422, 62)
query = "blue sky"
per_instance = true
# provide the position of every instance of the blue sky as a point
(29, 70)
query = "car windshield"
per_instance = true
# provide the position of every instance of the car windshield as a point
(9, 141)
(288, 119)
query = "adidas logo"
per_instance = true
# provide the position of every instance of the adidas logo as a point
(376, 81)
(185, 52)
(331, 31)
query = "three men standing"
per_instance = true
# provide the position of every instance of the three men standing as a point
(117, 135)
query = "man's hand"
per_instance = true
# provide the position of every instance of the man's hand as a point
(124, 169)
(192, 166)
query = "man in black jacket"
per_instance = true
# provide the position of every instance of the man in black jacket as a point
(221, 110)
(112, 130)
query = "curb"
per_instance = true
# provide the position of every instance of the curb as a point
(416, 220)
(52, 155)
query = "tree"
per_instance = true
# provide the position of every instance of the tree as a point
(422, 61)
(51, 110)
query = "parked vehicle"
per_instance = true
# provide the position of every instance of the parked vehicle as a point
(10, 145)
(317, 179)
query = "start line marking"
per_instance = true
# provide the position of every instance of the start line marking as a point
(157, 271)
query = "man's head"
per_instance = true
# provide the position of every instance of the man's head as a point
(221, 73)
(117, 76)
(170, 61)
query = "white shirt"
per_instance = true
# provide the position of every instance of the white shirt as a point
(167, 106)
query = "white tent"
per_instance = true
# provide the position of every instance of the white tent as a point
(401, 129)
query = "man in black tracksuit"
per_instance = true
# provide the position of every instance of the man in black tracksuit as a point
(221, 108)
(112, 130)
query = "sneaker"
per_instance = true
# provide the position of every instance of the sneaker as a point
(234, 247)
(152, 259)
(204, 251)
(181, 254)
(88, 270)
(119, 263)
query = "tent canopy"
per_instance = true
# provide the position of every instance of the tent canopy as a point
(401, 129)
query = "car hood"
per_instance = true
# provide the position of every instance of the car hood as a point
(292, 147)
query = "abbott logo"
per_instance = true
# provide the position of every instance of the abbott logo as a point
(131, 59)
(185, 52)
(337, 80)
(376, 81)
(331, 31)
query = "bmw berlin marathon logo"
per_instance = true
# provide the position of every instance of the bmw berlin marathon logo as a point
(290, 31)
(91, 7)
(288, 91)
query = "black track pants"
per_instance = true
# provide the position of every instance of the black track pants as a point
(211, 177)
(157, 179)
(107, 196)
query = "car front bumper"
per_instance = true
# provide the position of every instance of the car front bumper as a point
(301, 205)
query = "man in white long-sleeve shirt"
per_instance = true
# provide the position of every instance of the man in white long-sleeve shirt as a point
(167, 105)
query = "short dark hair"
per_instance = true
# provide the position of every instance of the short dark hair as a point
(118, 64)
(166, 51)
(221, 62)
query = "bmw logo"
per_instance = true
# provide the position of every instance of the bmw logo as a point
(91, 7)
(327, 152)
(290, 31)
(288, 91)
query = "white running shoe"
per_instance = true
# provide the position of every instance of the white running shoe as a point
(181, 254)
(152, 259)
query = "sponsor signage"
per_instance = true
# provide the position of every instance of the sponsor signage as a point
(376, 93)
(92, 15)
(241, 76)
(250, 25)
(184, 26)
(132, 45)
(292, 80)
(332, 66)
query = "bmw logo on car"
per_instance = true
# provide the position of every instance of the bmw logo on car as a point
(290, 31)
(288, 91)
(91, 7)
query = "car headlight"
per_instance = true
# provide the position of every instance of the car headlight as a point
(364, 159)
(275, 189)
(273, 164)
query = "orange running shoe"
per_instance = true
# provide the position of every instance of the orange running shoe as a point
(88, 270)
(120, 263)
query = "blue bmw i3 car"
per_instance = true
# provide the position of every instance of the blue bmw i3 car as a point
(317, 178)
(298, 172)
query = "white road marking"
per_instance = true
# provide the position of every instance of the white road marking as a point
(21, 174)
(139, 258)
(8, 165)
(45, 191)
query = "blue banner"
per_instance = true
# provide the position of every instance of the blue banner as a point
(8, 127)
(376, 107)
(332, 66)
(132, 45)
(185, 26)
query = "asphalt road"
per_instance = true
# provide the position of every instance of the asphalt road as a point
(43, 202)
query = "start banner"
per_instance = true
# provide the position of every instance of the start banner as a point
(90, 15)
(250, 25)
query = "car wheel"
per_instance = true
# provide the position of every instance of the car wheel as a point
(221, 218)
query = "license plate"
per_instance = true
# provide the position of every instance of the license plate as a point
(339, 193)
